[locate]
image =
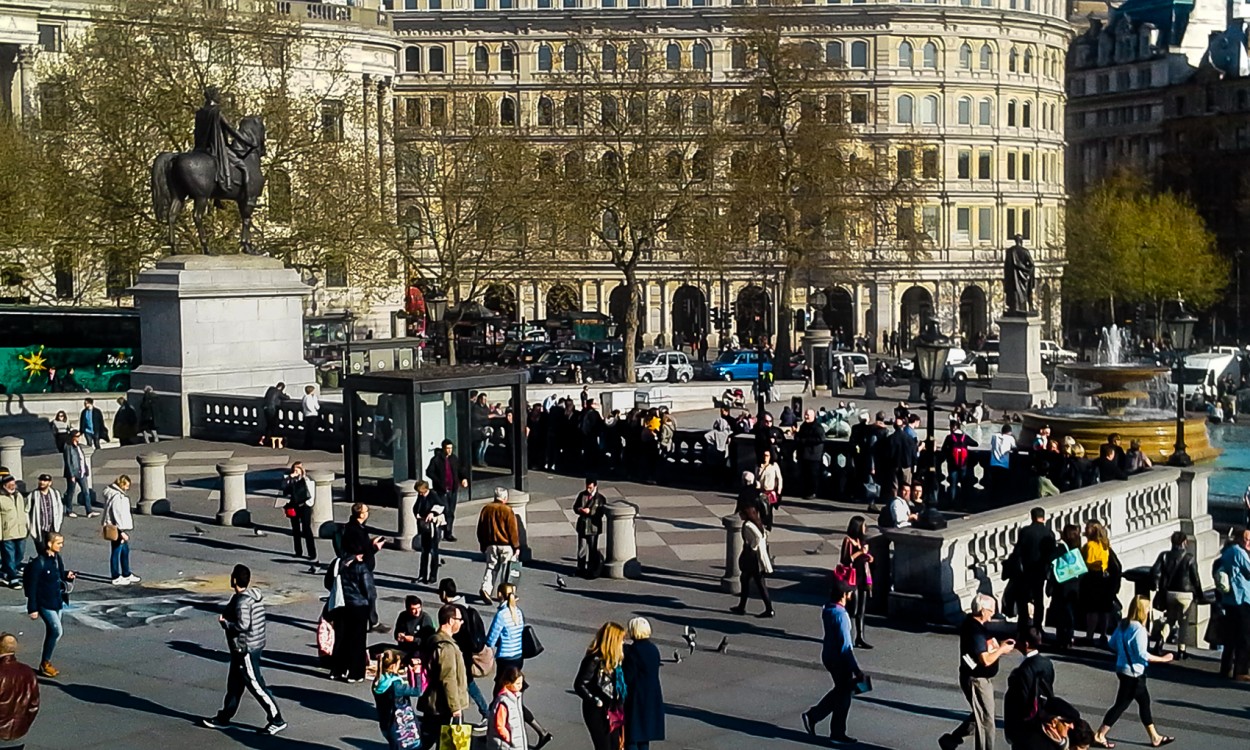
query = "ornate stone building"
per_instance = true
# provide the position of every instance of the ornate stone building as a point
(980, 82)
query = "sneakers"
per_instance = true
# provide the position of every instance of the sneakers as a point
(272, 729)
(47, 670)
(120, 581)
(133, 578)
(213, 723)
(93, 514)
(15, 583)
(72, 514)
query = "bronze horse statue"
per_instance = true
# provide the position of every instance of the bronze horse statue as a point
(193, 175)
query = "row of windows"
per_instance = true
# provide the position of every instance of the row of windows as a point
(1049, 7)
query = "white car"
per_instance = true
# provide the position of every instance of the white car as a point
(652, 366)
(1052, 352)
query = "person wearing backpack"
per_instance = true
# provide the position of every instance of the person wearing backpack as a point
(955, 454)
(1176, 581)
(470, 638)
(1232, 583)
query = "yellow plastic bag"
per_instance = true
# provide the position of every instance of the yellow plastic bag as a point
(455, 737)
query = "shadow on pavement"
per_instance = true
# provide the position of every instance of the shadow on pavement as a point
(945, 714)
(755, 728)
(328, 703)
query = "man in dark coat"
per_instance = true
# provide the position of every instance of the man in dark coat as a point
(1029, 686)
(447, 476)
(589, 509)
(1034, 550)
(901, 452)
(811, 439)
(91, 424)
(274, 396)
(644, 698)
(768, 437)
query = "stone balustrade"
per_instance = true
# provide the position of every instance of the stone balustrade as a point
(220, 417)
(935, 573)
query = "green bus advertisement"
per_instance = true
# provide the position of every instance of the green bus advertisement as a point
(67, 349)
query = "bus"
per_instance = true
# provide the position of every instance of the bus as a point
(67, 349)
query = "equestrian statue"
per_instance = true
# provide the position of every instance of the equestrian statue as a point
(224, 165)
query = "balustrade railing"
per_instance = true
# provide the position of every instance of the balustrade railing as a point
(242, 419)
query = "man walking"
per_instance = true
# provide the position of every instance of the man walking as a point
(19, 693)
(14, 528)
(838, 657)
(77, 476)
(589, 509)
(46, 512)
(147, 416)
(429, 512)
(46, 594)
(91, 424)
(500, 540)
(978, 663)
(244, 623)
(811, 440)
(470, 638)
(310, 413)
(1035, 549)
(1175, 576)
(447, 696)
(1030, 687)
(447, 477)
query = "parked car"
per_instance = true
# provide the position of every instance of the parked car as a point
(742, 364)
(654, 365)
(853, 362)
(902, 368)
(521, 353)
(527, 332)
(1052, 353)
(553, 366)
(982, 366)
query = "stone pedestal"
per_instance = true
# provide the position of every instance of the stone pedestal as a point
(519, 503)
(323, 503)
(231, 323)
(233, 510)
(406, 501)
(622, 557)
(153, 490)
(1019, 383)
(731, 582)
(816, 342)
(11, 455)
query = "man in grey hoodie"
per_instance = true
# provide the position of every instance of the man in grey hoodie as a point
(244, 623)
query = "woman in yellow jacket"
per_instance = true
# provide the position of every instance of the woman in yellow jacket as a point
(1101, 584)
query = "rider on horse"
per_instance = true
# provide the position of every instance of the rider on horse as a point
(218, 138)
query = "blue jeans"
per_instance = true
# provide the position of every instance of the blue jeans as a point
(52, 632)
(81, 487)
(476, 694)
(11, 553)
(119, 559)
(956, 479)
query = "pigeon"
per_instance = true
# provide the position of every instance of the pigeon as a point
(723, 648)
(560, 582)
(817, 550)
(258, 532)
(689, 636)
(677, 657)
(197, 531)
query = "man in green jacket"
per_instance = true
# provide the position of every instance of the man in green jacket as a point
(447, 696)
(14, 528)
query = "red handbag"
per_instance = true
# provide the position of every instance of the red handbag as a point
(846, 574)
(290, 511)
(771, 497)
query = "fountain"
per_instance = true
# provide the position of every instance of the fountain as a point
(1114, 377)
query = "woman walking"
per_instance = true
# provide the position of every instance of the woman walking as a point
(392, 694)
(506, 638)
(754, 562)
(117, 516)
(855, 555)
(60, 431)
(768, 475)
(1101, 584)
(644, 698)
(600, 683)
(1131, 646)
(1064, 596)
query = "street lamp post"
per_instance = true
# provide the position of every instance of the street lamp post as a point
(436, 304)
(931, 348)
(1181, 331)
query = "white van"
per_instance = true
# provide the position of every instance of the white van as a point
(1204, 371)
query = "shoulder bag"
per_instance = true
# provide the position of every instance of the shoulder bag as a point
(110, 532)
(530, 645)
(1069, 565)
(483, 662)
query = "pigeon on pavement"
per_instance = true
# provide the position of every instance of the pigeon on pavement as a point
(723, 648)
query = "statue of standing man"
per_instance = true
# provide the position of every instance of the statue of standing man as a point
(1018, 280)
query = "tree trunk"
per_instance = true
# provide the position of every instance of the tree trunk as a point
(449, 328)
(630, 334)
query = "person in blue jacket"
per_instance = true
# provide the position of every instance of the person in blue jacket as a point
(838, 655)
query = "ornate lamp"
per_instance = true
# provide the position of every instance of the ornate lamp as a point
(1181, 330)
(932, 349)
(436, 306)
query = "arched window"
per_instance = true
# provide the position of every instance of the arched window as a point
(698, 56)
(1011, 113)
(608, 56)
(965, 56)
(766, 109)
(607, 110)
(1028, 60)
(833, 55)
(929, 55)
(673, 165)
(412, 59)
(738, 56)
(1013, 61)
(639, 164)
(965, 110)
(905, 55)
(544, 58)
(571, 56)
(546, 112)
(435, 59)
(482, 114)
(672, 56)
(573, 165)
(810, 53)
(547, 164)
(637, 109)
(700, 166)
(507, 58)
(610, 165)
(572, 112)
(985, 112)
(507, 112)
(739, 109)
(634, 56)
(481, 59)
(673, 110)
(1026, 115)
(929, 110)
(611, 227)
(859, 54)
(701, 112)
(904, 114)
(987, 57)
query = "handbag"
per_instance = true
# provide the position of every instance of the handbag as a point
(325, 638)
(110, 532)
(456, 736)
(616, 718)
(407, 727)
(530, 645)
(872, 490)
(770, 497)
(846, 574)
(483, 662)
(289, 511)
(514, 572)
(1069, 565)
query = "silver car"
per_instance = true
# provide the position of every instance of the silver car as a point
(653, 366)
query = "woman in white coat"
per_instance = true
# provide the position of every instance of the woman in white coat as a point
(117, 519)
(754, 561)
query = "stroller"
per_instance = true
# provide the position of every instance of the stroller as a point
(732, 398)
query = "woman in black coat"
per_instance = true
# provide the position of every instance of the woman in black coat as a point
(644, 699)
(351, 621)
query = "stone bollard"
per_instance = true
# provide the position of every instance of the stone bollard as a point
(323, 504)
(913, 390)
(731, 582)
(233, 511)
(622, 556)
(406, 499)
(961, 391)
(11, 455)
(153, 491)
(519, 502)
(870, 387)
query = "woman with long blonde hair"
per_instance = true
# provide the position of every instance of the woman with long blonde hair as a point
(1130, 644)
(600, 683)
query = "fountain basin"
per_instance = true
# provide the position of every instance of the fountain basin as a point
(1090, 428)
(1112, 392)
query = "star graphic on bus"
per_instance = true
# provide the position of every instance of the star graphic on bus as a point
(35, 363)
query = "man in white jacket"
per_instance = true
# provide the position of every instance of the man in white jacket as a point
(46, 512)
(117, 514)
